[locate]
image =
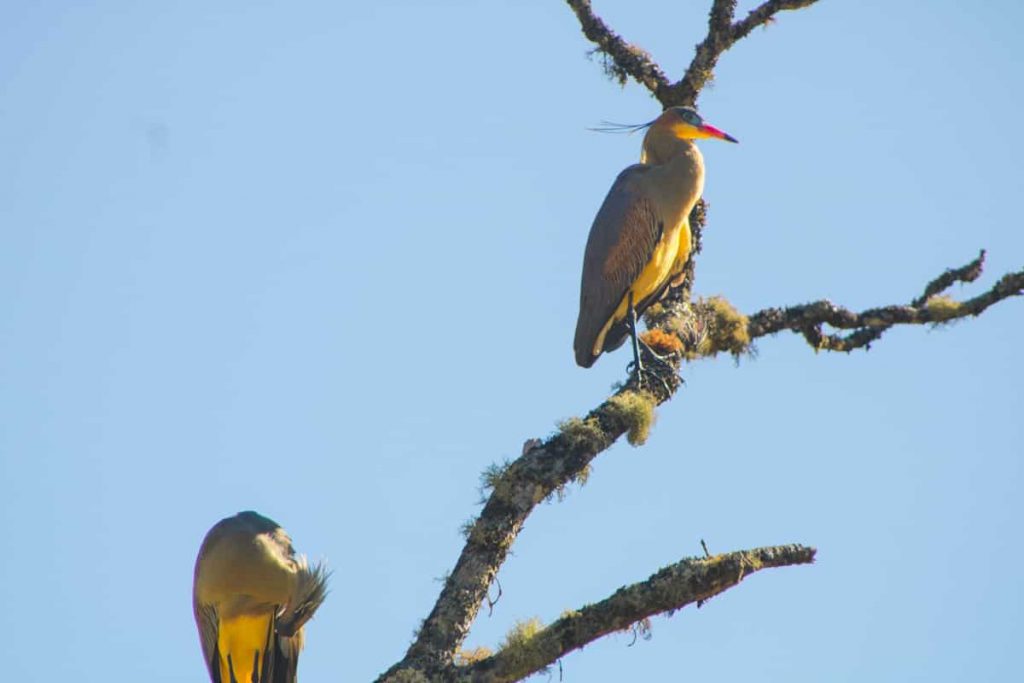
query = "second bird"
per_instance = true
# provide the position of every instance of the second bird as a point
(640, 239)
(252, 595)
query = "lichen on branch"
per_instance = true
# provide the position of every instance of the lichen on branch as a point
(625, 60)
(682, 330)
(689, 581)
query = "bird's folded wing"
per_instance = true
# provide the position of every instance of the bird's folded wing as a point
(622, 240)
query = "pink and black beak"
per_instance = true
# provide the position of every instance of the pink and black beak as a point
(713, 132)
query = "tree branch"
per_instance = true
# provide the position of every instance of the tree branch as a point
(544, 468)
(671, 588)
(929, 308)
(681, 330)
(630, 61)
(700, 329)
(764, 14)
(965, 274)
(626, 60)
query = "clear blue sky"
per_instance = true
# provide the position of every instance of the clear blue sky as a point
(321, 260)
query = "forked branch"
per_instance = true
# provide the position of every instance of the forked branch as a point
(695, 330)
(625, 60)
(682, 330)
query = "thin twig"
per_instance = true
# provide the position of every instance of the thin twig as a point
(809, 319)
(967, 273)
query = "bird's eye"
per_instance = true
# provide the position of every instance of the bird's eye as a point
(691, 118)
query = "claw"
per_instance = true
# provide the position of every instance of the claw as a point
(639, 348)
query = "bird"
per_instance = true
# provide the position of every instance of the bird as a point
(640, 239)
(251, 596)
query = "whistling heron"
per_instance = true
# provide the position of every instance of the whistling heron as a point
(251, 596)
(640, 239)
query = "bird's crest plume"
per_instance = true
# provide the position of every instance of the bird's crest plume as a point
(621, 128)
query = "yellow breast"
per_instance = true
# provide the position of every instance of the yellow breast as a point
(666, 262)
(242, 641)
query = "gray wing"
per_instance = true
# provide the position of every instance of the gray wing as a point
(622, 239)
(206, 622)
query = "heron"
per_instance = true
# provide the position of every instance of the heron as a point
(640, 239)
(251, 596)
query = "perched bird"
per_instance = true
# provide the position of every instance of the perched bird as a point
(251, 596)
(640, 239)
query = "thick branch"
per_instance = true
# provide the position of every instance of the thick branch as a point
(629, 61)
(687, 330)
(544, 468)
(699, 329)
(672, 588)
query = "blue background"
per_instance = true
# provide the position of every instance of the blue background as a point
(321, 260)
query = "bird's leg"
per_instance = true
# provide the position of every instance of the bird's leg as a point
(658, 360)
(637, 364)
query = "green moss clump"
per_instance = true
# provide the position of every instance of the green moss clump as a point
(655, 310)
(490, 477)
(582, 434)
(518, 645)
(583, 476)
(522, 632)
(943, 308)
(636, 410)
(728, 327)
(465, 657)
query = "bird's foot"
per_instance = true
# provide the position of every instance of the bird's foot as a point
(653, 368)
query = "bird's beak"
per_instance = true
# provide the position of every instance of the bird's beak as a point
(713, 132)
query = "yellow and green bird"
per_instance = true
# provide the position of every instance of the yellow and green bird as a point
(251, 595)
(640, 239)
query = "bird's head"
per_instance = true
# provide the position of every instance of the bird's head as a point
(686, 124)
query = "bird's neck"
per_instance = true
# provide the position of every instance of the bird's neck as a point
(677, 174)
(660, 147)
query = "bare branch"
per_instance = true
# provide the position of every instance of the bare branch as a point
(691, 580)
